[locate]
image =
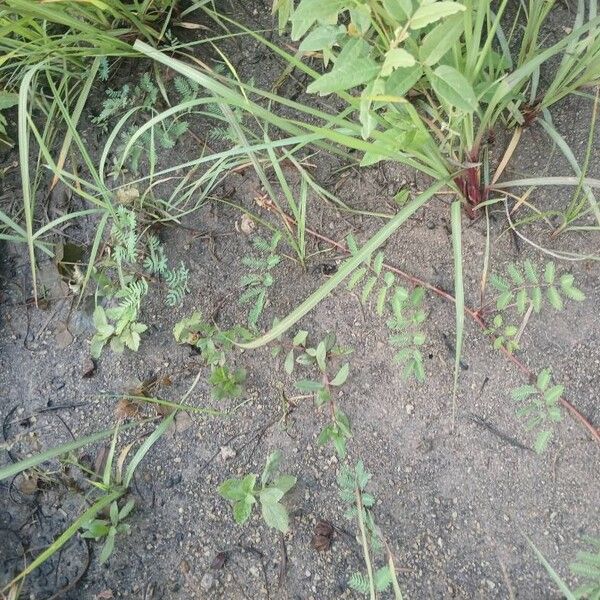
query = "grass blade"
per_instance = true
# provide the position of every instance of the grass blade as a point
(33, 461)
(562, 586)
(459, 294)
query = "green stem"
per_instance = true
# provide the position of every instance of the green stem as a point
(365, 544)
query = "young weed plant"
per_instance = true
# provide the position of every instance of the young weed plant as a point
(540, 408)
(257, 283)
(123, 287)
(325, 388)
(214, 345)
(268, 491)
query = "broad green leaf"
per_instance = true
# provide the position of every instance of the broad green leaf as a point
(284, 483)
(320, 356)
(323, 396)
(109, 546)
(402, 80)
(395, 58)
(453, 88)
(100, 318)
(309, 11)
(232, 489)
(341, 376)
(306, 385)
(353, 67)
(549, 273)
(271, 495)
(276, 516)
(124, 512)
(288, 365)
(440, 39)
(271, 466)
(242, 510)
(321, 37)
(430, 13)
(552, 394)
(300, 338)
(398, 9)
(360, 17)
(8, 99)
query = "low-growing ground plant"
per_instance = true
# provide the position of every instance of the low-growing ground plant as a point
(258, 282)
(539, 408)
(214, 345)
(325, 388)
(268, 491)
(122, 287)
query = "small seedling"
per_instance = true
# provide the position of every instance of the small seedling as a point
(258, 282)
(505, 336)
(540, 407)
(124, 330)
(525, 290)
(141, 101)
(338, 431)
(407, 316)
(385, 280)
(123, 287)
(107, 529)
(214, 345)
(246, 492)
(226, 383)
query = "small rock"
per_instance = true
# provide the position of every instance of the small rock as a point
(57, 383)
(227, 452)
(183, 422)
(88, 368)
(409, 408)
(207, 582)
(219, 561)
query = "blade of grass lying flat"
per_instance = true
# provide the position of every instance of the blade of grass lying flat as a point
(33, 461)
(562, 586)
(459, 294)
(589, 181)
(28, 201)
(145, 447)
(346, 268)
